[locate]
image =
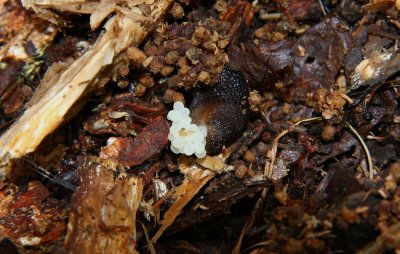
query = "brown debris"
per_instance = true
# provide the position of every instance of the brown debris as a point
(105, 220)
(136, 55)
(173, 96)
(32, 217)
(126, 115)
(14, 102)
(134, 151)
(79, 78)
(328, 132)
(303, 10)
(196, 49)
(24, 38)
(330, 103)
(241, 171)
(177, 11)
(195, 179)
(379, 5)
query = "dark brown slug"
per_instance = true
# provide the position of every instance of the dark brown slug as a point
(223, 109)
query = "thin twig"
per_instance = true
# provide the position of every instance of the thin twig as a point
(250, 221)
(367, 153)
(270, 162)
(263, 243)
(151, 246)
(322, 7)
(52, 178)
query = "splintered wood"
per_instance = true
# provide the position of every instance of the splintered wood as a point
(21, 30)
(195, 179)
(78, 79)
(99, 10)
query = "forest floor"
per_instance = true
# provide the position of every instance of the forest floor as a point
(307, 161)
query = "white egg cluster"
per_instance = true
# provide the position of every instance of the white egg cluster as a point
(186, 137)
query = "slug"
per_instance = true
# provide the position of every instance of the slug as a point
(222, 109)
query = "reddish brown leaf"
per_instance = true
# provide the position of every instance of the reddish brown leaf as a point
(134, 151)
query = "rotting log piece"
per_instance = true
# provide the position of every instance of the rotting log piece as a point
(104, 220)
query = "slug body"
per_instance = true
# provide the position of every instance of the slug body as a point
(222, 109)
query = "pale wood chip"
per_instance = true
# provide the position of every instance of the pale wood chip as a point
(195, 179)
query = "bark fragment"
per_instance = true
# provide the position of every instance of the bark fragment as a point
(31, 218)
(104, 220)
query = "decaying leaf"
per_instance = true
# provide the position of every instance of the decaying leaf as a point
(303, 66)
(318, 56)
(134, 151)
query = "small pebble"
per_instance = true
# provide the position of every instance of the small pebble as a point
(204, 77)
(240, 171)
(171, 95)
(328, 133)
(249, 156)
(156, 65)
(146, 80)
(177, 11)
(172, 57)
(166, 70)
(140, 90)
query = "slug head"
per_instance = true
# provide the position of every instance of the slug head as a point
(223, 109)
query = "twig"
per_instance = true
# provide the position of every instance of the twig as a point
(369, 159)
(271, 154)
(250, 221)
(151, 246)
(54, 179)
(322, 7)
(263, 243)
(195, 179)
